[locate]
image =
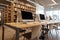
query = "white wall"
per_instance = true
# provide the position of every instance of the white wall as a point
(39, 9)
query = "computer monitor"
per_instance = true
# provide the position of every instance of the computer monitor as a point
(42, 16)
(27, 16)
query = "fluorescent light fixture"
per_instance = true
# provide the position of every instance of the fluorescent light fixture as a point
(52, 4)
(54, 1)
(31, 1)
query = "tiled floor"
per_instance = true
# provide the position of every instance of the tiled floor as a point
(53, 35)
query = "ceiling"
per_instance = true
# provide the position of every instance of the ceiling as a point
(41, 2)
(49, 4)
(46, 2)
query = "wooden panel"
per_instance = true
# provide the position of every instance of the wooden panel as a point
(12, 11)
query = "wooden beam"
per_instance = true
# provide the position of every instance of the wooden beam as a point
(4, 2)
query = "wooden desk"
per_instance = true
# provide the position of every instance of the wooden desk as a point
(21, 25)
(51, 23)
(18, 26)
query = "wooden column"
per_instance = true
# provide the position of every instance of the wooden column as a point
(12, 11)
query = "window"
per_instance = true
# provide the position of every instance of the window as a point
(54, 14)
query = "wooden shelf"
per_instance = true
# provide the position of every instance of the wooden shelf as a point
(11, 12)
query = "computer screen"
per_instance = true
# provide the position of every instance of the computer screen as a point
(27, 15)
(42, 17)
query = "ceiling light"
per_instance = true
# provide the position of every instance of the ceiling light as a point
(54, 1)
(31, 1)
(52, 4)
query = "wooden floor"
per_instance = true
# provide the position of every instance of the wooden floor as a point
(53, 35)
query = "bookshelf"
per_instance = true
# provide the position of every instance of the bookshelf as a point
(12, 12)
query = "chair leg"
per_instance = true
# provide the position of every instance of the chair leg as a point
(51, 35)
(56, 34)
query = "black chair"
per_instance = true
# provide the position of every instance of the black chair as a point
(44, 32)
(42, 37)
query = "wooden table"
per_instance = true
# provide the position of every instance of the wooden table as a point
(18, 26)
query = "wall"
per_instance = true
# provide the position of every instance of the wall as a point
(54, 14)
(39, 9)
(53, 11)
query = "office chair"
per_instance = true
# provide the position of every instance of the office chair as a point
(44, 32)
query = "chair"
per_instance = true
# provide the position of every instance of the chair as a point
(44, 32)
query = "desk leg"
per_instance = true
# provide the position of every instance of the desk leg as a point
(50, 29)
(17, 34)
(2, 32)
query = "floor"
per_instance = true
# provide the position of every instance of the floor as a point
(53, 35)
